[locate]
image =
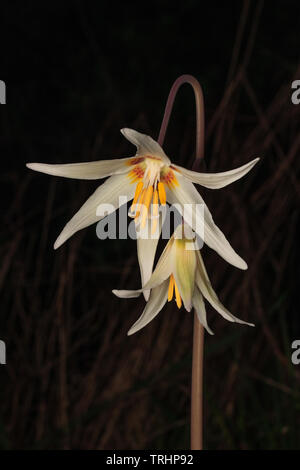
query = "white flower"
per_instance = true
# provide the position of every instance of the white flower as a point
(150, 179)
(180, 270)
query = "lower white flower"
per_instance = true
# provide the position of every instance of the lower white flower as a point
(180, 272)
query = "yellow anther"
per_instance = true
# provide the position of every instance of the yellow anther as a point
(146, 204)
(155, 211)
(140, 203)
(148, 196)
(162, 193)
(171, 288)
(138, 190)
(177, 295)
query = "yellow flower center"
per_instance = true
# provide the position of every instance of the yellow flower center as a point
(149, 189)
(151, 176)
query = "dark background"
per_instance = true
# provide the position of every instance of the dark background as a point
(77, 72)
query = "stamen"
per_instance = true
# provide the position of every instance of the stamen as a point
(138, 190)
(171, 288)
(162, 193)
(177, 295)
(155, 211)
(140, 203)
(146, 174)
(148, 198)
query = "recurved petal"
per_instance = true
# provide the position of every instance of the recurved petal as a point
(146, 249)
(86, 170)
(205, 287)
(157, 300)
(145, 144)
(198, 304)
(217, 180)
(108, 193)
(187, 199)
(127, 294)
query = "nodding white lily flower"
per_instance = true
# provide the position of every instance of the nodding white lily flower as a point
(149, 179)
(180, 271)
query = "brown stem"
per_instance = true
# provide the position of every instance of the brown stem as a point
(197, 386)
(198, 335)
(199, 112)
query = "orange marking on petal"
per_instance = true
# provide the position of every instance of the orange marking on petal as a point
(169, 179)
(136, 174)
(135, 161)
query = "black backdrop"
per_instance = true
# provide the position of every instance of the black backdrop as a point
(77, 72)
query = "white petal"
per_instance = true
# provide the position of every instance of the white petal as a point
(146, 249)
(108, 193)
(127, 294)
(145, 145)
(217, 180)
(199, 306)
(203, 283)
(184, 272)
(86, 170)
(164, 268)
(188, 197)
(157, 300)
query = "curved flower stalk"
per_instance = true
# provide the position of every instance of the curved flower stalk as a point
(180, 273)
(150, 179)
